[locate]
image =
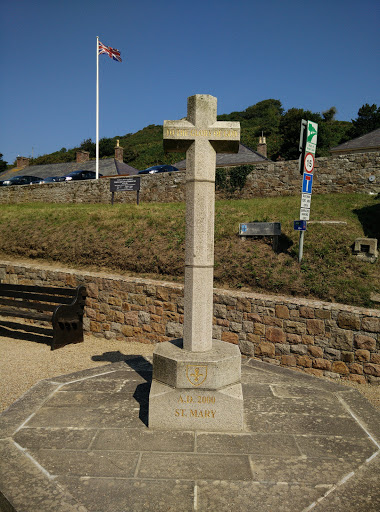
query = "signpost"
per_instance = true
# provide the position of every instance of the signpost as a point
(126, 184)
(307, 147)
(300, 225)
(302, 145)
(307, 183)
(309, 162)
(305, 201)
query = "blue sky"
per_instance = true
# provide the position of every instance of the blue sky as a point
(310, 55)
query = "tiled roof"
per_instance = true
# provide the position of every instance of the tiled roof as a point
(107, 167)
(245, 155)
(370, 140)
(123, 168)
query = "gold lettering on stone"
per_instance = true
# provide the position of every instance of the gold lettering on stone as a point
(180, 412)
(185, 399)
(199, 413)
(194, 132)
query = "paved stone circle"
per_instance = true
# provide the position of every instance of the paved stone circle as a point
(80, 442)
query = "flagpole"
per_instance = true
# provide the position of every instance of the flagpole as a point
(97, 108)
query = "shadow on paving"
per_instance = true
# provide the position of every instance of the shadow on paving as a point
(143, 368)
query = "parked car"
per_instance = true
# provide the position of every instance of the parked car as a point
(81, 175)
(159, 168)
(53, 179)
(22, 180)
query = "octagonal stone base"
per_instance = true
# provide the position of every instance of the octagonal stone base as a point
(196, 390)
(214, 369)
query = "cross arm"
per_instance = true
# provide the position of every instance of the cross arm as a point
(176, 136)
(224, 136)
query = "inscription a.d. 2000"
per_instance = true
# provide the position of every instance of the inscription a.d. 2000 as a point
(196, 401)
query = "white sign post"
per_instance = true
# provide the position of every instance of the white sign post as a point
(308, 173)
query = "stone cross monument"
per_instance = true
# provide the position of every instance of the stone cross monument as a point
(198, 362)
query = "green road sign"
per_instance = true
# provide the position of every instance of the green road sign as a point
(311, 137)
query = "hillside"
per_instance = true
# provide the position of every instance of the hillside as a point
(148, 240)
(144, 148)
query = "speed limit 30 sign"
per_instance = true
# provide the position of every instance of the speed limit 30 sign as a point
(309, 163)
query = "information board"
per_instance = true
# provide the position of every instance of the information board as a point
(127, 184)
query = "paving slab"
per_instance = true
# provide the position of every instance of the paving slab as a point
(80, 443)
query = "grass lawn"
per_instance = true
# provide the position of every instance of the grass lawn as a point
(148, 240)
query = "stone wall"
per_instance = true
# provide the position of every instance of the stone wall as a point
(164, 187)
(344, 174)
(316, 337)
(341, 174)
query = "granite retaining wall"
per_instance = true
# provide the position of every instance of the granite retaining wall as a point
(316, 337)
(341, 174)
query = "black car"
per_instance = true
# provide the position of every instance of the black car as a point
(81, 175)
(53, 179)
(159, 168)
(22, 180)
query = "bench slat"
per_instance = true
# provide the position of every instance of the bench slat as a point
(16, 313)
(49, 290)
(35, 296)
(28, 305)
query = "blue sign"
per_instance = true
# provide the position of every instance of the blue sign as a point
(243, 228)
(300, 225)
(307, 183)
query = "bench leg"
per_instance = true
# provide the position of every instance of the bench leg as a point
(275, 243)
(66, 332)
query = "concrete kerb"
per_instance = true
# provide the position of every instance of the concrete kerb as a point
(307, 444)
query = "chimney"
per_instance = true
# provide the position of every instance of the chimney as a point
(83, 156)
(118, 152)
(22, 161)
(262, 145)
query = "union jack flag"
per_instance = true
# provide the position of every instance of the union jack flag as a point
(111, 52)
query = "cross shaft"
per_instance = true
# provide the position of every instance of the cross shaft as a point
(200, 135)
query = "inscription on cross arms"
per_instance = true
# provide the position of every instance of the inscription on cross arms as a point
(193, 132)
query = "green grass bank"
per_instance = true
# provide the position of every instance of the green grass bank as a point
(149, 240)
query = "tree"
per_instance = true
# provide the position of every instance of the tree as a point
(88, 145)
(265, 115)
(368, 120)
(290, 126)
(106, 148)
(329, 115)
(3, 163)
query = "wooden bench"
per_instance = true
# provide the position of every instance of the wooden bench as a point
(252, 229)
(64, 307)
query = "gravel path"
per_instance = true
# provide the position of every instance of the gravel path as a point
(25, 358)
